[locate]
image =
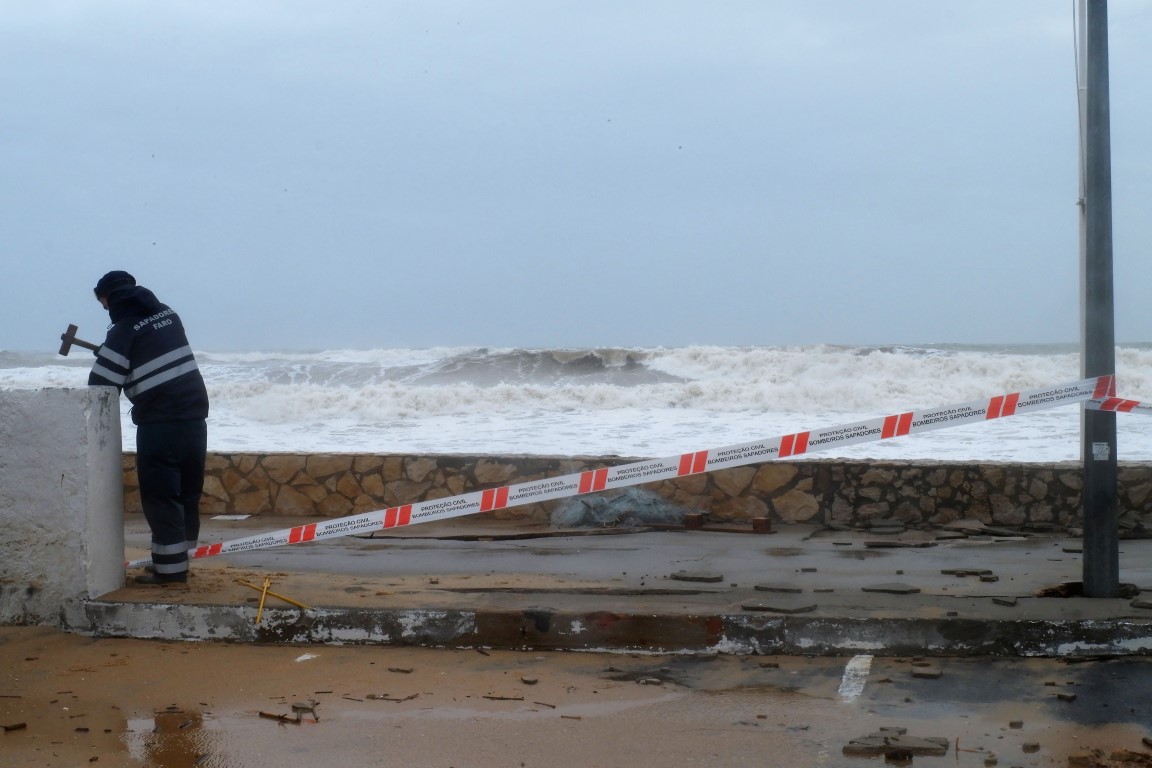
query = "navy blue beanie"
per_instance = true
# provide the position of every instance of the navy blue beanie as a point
(112, 281)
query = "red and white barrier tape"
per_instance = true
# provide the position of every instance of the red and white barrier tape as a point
(1100, 389)
(1120, 406)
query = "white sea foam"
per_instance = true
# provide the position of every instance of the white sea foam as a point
(628, 402)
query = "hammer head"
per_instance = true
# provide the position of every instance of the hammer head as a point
(68, 338)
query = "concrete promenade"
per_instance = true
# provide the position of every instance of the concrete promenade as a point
(483, 583)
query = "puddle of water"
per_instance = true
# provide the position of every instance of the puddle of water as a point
(170, 739)
(440, 708)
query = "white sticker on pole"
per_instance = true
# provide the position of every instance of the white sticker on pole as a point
(638, 473)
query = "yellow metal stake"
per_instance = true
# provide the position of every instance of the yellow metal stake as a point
(275, 594)
(263, 594)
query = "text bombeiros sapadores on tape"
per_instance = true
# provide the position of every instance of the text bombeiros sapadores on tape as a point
(1098, 392)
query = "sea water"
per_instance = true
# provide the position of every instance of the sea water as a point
(649, 402)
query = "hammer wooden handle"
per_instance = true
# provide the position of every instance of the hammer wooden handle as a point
(68, 339)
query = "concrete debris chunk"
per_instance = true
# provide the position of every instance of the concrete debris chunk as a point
(779, 587)
(1008, 533)
(887, 530)
(1008, 601)
(927, 673)
(966, 526)
(700, 576)
(892, 588)
(777, 607)
(895, 742)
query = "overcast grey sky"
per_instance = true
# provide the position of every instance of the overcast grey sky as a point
(534, 173)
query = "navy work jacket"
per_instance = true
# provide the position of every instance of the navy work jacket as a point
(146, 355)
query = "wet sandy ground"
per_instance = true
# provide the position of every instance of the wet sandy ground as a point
(119, 702)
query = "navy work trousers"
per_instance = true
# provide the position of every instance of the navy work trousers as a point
(170, 467)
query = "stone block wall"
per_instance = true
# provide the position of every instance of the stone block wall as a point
(811, 491)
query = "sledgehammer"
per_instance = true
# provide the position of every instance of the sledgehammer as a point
(68, 338)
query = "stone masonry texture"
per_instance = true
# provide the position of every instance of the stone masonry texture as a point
(830, 492)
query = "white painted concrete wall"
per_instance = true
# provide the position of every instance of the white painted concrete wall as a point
(61, 503)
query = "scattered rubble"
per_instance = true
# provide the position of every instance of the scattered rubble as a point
(1118, 758)
(1076, 589)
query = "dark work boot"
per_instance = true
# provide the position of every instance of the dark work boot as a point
(152, 569)
(156, 579)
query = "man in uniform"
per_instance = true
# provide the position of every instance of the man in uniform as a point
(146, 356)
